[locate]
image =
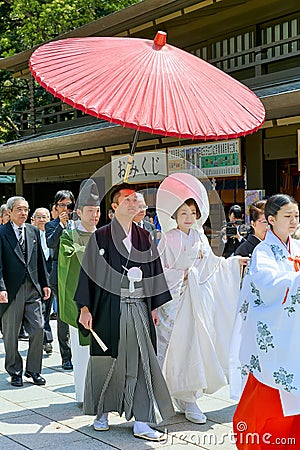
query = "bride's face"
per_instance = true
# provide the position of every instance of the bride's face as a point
(186, 217)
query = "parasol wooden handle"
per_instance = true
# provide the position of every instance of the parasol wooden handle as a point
(128, 167)
(131, 156)
(100, 342)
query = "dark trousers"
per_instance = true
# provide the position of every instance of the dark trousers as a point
(62, 330)
(47, 305)
(26, 307)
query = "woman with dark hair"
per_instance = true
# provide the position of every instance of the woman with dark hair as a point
(265, 351)
(195, 327)
(259, 225)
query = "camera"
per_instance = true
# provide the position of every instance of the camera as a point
(232, 228)
(70, 206)
(70, 209)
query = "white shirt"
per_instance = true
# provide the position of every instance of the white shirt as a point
(45, 247)
(82, 228)
(140, 224)
(16, 230)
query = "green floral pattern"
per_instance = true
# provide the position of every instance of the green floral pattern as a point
(295, 299)
(247, 271)
(278, 252)
(249, 368)
(258, 301)
(244, 309)
(285, 379)
(264, 337)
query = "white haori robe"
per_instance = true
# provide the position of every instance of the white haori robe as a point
(195, 327)
(266, 334)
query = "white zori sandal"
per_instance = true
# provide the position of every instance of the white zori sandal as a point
(102, 423)
(143, 431)
(191, 411)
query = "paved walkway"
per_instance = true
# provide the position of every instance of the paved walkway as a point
(47, 417)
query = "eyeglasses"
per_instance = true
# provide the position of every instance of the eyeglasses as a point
(41, 217)
(66, 205)
(21, 210)
(143, 208)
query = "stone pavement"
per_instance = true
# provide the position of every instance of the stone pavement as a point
(47, 417)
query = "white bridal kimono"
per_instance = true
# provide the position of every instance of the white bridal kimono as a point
(267, 328)
(195, 327)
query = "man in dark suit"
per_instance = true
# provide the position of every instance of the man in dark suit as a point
(64, 205)
(139, 218)
(39, 219)
(23, 282)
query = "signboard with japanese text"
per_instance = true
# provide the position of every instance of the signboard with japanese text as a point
(214, 159)
(147, 167)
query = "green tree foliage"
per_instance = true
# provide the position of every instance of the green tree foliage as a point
(26, 23)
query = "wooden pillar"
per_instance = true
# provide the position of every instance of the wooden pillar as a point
(19, 180)
(32, 123)
(254, 160)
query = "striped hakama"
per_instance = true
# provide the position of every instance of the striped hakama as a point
(132, 383)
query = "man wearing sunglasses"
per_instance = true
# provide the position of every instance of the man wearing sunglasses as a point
(64, 205)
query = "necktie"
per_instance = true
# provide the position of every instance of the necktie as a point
(21, 240)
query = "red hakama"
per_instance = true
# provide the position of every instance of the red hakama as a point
(259, 422)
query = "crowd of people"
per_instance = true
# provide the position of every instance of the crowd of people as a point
(148, 328)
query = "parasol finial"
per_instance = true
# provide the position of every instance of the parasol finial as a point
(160, 39)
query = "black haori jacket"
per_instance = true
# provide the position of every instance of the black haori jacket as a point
(101, 276)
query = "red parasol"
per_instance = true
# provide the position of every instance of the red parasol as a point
(149, 86)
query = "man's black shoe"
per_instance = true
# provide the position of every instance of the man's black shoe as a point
(36, 377)
(23, 336)
(67, 365)
(48, 348)
(16, 380)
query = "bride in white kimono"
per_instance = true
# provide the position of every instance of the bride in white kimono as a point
(195, 327)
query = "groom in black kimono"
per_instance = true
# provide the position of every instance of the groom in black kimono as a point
(120, 286)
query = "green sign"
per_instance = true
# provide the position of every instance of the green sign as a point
(214, 159)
